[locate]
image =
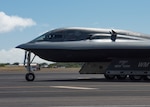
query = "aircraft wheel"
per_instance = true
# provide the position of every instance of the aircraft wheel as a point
(121, 77)
(109, 77)
(147, 77)
(30, 76)
(135, 77)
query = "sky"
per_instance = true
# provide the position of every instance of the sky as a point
(23, 20)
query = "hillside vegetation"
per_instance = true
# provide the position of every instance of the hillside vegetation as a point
(66, 65)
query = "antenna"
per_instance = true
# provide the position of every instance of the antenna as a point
(113, 35)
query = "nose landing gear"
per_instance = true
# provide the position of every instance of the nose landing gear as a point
(27, 62)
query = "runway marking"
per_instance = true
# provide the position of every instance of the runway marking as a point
(75, 87)
(72, 87)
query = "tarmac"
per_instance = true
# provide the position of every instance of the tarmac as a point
(71, 89)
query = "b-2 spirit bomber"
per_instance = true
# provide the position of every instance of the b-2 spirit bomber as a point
(112, 52)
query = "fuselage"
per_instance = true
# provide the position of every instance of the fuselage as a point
(89, 45)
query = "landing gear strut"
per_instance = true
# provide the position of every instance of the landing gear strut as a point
(27, 60)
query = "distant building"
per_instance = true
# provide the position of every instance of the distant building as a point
(44, 65)
(34, 66)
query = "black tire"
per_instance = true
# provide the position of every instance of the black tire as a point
(30, 77)
(135, 77)
(147, 77)
(121, 77)
(109, 77)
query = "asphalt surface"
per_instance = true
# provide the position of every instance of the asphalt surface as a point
(70, 89)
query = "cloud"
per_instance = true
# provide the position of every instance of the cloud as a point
(16, 55)
(9, 23)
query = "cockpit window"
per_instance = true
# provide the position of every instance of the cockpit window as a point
(49, 37)
(75, 35)
(53, 37)
(41, 38)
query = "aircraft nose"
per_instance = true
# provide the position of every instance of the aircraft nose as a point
(22, 46)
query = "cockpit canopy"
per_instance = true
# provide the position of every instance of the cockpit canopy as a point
(68, 35)
(60, 35)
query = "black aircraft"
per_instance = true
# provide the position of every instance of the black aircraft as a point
(115, 53)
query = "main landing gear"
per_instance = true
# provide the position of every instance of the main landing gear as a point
(27, 63)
